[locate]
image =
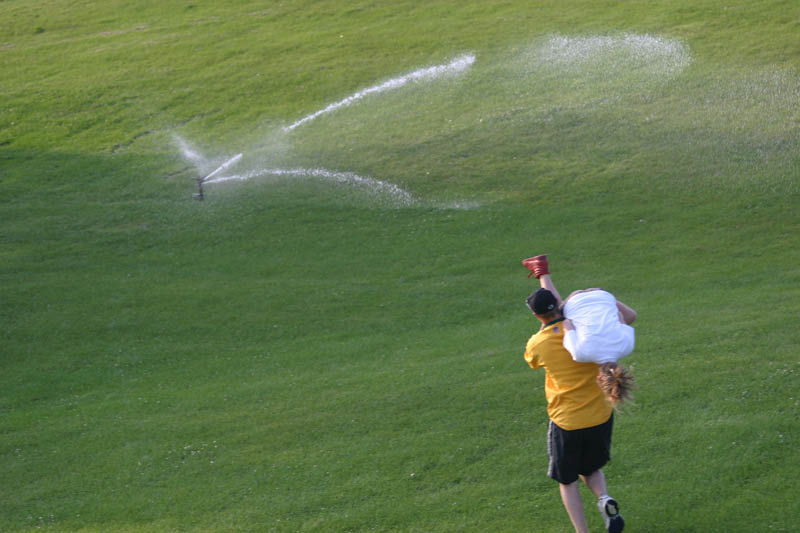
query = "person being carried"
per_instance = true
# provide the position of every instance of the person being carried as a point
(597, 329)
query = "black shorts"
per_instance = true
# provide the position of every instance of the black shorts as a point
(578, 452)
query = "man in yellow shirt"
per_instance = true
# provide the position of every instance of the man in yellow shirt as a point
(581, 419)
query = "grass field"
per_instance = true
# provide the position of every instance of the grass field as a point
(335, 343)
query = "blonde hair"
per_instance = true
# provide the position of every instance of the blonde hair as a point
(616, 382)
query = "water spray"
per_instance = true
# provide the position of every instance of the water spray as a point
(200, 181)
(400, 196)
(397, 194)
(456, 66)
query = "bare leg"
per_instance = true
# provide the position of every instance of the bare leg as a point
(596, 481)
(609, 508)
(571, 496)
(547, 283)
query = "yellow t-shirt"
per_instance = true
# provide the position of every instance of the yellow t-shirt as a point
(574, 400)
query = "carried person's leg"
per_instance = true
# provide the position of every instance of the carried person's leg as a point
(546, 282)
(540, 267)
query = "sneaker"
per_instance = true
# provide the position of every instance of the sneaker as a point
(537, 265)
(610, 510)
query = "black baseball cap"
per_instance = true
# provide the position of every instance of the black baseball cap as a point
(542, 302)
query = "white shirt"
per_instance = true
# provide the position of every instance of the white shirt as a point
(599, 336)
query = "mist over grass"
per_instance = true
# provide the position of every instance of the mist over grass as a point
(299, 353)
(610, 105)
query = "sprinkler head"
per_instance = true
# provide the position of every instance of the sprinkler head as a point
(199, 194)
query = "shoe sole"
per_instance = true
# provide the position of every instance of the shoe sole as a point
(616, 524)
(612, 508)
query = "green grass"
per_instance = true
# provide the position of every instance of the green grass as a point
(296, 355)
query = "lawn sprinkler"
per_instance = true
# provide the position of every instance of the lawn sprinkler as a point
(200, 181)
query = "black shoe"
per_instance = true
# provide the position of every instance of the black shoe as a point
(610, 509)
